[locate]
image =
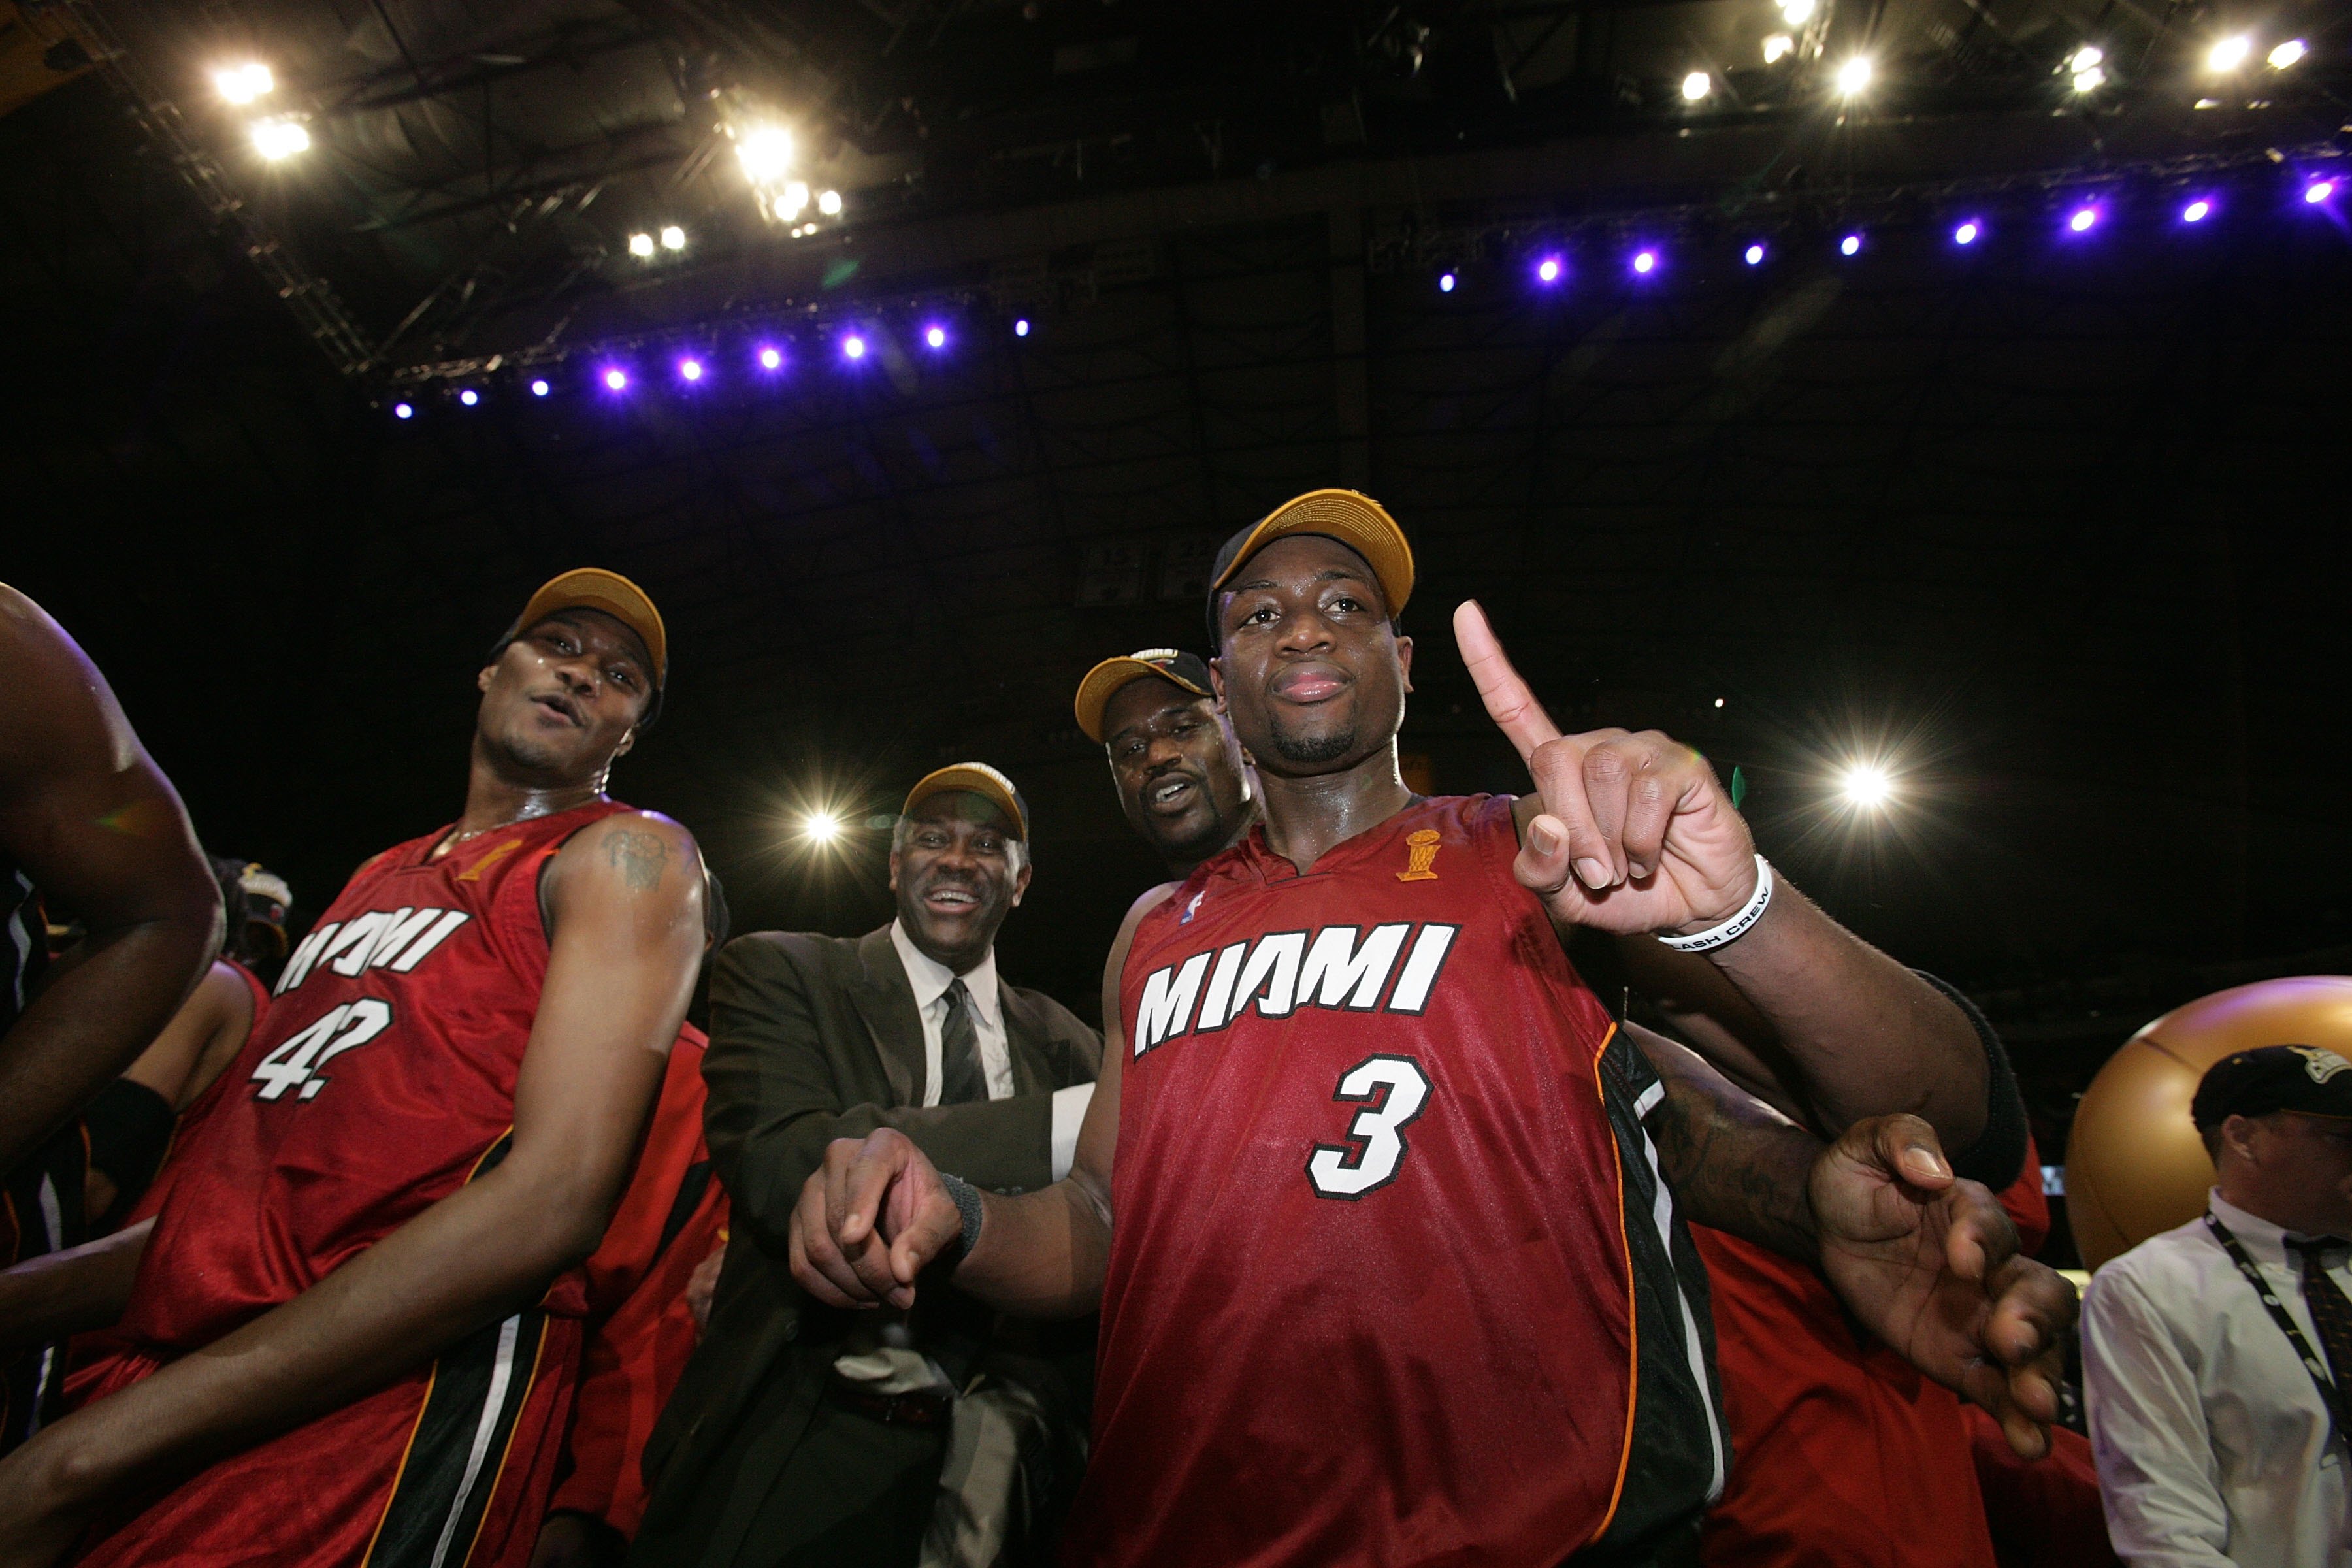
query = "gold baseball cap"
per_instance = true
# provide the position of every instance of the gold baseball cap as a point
(979, 779)
(1355, 520)
(1107, 678)
(594, 588)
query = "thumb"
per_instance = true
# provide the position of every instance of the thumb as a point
(1906, 1147)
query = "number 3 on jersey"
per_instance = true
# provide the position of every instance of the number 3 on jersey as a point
(1397, 1091)
(298, 1060)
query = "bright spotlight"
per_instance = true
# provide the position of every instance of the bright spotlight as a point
(935, 337)
(277, 139)
(1867, 786)
(1854, 76)
(1020, 328)
(2197, 211)
(403, 411)
(641, 245)
(1548, 270)
(1445, 282)
(1695, 86)
(772, 357)
(793, 200)
(2286, 54)
(2081, 220)
(821, 828)
(673, 238)
(853, 347)
(1645, 262)
(1778, 47)
(1850, 246)
(469, 398)
(2318, 190)
(616, 379)
(766, 153)
(242, 84)
(1797, 13)
(2230, 53)
(1966, 233)
(2088, 56)
(829, 202)
(2091, 80)
(1753, 256)
(691, 368)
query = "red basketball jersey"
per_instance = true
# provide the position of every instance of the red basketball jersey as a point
(1392, 1278)
(380, 1079)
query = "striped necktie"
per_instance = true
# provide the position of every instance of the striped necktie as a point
(961, 1079)
(2331, 1313)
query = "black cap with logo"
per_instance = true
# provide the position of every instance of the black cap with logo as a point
(2308, 1078)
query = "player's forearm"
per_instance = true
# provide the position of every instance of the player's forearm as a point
(1733, 1162)
(488, 1250)
(45, 1298)
(1043, 1254)
(1866, 1036)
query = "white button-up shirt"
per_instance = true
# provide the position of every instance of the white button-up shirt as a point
(2212, 1445)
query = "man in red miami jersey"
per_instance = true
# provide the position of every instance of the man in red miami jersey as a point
(352, 1323)
(1399, 1273)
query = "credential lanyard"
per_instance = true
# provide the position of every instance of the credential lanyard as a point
(2330, 1397)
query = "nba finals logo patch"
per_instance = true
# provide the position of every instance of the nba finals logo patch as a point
(1421, 855)
(2321, 1065)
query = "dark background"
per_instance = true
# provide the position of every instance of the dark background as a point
(2051, 527)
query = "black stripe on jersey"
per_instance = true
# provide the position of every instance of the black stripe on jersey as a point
(691, 1188)
(458, 1451)
(1680, 1446)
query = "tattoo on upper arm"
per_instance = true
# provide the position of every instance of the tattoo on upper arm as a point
(638, 856)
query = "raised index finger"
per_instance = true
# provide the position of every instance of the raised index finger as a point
(1510, 703)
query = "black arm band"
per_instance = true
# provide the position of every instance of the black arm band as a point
(129, 1126)
(967, 1203)
(1998, 1153)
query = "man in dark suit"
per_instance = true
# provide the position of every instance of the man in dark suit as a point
(805, 1436)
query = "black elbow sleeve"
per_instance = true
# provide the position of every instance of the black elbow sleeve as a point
(1998, 1153)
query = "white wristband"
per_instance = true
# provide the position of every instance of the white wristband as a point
(1737, 926)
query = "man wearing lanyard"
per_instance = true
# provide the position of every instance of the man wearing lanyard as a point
(2216, 1356)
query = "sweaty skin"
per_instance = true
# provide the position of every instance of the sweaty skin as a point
(1181, 780)
(1314, 677)
(623, 908)
(97, 827)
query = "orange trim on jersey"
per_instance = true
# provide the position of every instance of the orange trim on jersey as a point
(490, 1498)
(1633, 1301)
(391, 1493)
(473, 873)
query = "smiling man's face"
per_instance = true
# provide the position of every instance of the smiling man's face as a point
(1312, 672)
(954, 874)
(564, 699)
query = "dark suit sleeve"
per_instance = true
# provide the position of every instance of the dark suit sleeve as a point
(783, 1086)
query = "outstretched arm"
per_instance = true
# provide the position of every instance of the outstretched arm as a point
(99, 830)
(1928, 1263)
(625, 901)
(1634, 834)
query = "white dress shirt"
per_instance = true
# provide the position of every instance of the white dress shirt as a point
(2212, 1445)
(930, 979)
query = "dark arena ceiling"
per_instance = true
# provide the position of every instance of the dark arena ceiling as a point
(2041, 522)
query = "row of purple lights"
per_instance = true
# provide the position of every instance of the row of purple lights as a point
(854, 346)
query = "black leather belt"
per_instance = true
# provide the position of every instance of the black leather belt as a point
(922, 1408)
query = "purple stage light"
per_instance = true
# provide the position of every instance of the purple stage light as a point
(469, 398)
(936, 336)
(1754, 256)
(853, 347)
(403, 411)
(2318, 190)
(1548, 270)
(1850, 246)
(1968, 233)
(690, 369)
(1645, 262)
(616, 379)
(2197, 211)
(770, 357)
(2081, 220)
(1445, 281)
(1020, 328)
(540, 388)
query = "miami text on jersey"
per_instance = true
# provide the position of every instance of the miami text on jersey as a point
(1345, 968)
(396, 940)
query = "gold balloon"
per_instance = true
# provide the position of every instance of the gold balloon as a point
(2135, 1165)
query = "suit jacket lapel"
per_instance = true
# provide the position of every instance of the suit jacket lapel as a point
(886, 1003)
(1025, 1043)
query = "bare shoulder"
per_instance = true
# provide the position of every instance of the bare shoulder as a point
(639, 854)
(61, 717)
